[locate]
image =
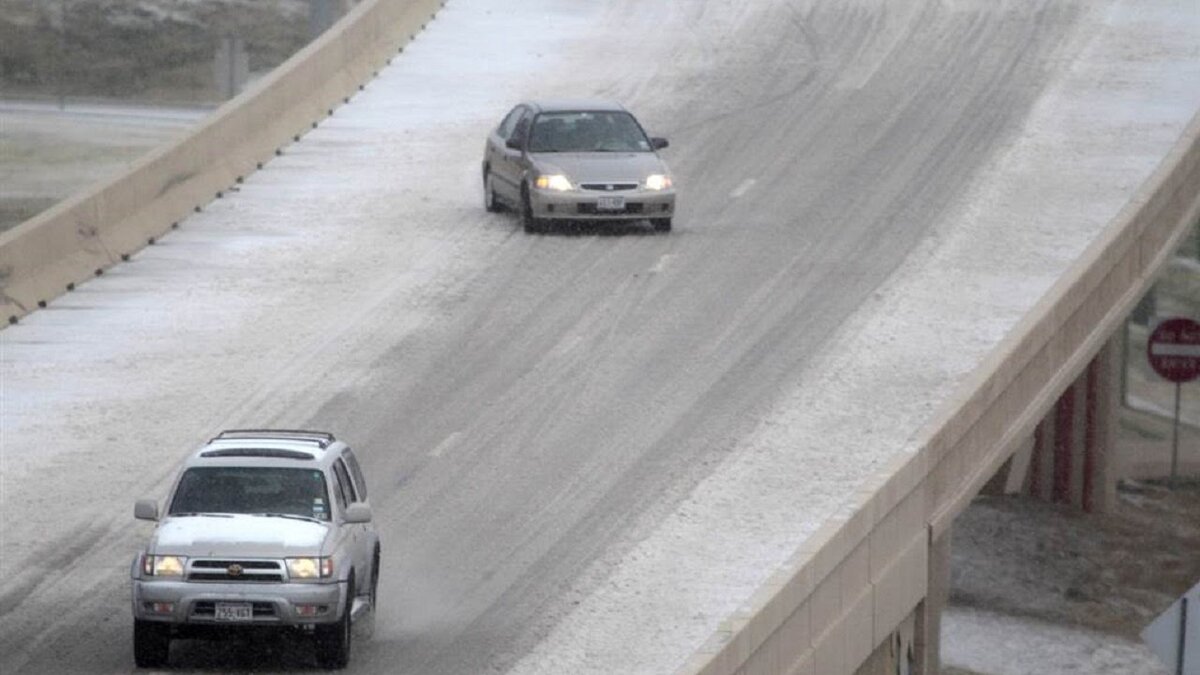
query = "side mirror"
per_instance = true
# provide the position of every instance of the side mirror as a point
(357, 513)
(659, 143)
(145, 509)
(513, 143)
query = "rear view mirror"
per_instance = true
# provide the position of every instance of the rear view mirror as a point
(513, 143)
(357, 513)
(659, 143)
(145, 509)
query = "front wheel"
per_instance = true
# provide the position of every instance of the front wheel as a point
(151, 643)
(661, 224)
(333, 640)
(490, 203)
(531, 224)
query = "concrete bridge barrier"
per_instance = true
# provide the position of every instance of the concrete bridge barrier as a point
(866, 590)
(81, 236)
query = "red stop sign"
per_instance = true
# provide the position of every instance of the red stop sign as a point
(1174, 350)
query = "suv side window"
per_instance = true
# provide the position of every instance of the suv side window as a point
(339, 490)
(344, 480)
(360, 483)
(510, 122)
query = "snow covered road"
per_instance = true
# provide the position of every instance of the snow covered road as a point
(535, 413)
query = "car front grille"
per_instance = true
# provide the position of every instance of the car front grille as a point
(236, 571)
(608, 187)
(590, 209)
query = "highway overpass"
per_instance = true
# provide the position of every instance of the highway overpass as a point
(905, 230)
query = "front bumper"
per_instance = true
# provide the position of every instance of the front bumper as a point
(274, 604)
(584, 204)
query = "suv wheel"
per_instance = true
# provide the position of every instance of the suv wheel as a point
(333, 640)
(661, 224)
(151, 643)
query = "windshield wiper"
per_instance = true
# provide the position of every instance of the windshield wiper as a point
(188, 514)
(292, 516)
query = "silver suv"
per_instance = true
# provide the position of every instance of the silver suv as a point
(262, 529)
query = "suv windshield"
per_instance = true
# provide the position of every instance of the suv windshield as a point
(587, 132)
(274, 490)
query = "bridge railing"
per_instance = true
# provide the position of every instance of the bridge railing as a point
(83, 235)
(851, 585)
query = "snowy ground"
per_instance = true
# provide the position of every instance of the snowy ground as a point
(1041, 588)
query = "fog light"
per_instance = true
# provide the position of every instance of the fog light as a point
(310, 610)
(159, 607)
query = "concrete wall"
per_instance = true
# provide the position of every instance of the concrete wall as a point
(81, 236)
(852, 586)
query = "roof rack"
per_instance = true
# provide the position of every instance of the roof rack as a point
(321, 438)
(258, 452)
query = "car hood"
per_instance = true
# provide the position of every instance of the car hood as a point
(600, 167)
(229, 535)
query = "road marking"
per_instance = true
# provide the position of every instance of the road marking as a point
(662, 263)
(743, 188)
(445, 444)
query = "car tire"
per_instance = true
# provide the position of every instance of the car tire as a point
(490, 203)
(531, 224)
(375, 580)
(661, 224)
(332, 641)
(151, 643)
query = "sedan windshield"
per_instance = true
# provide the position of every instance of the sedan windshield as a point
(264, 490)
(587, 132)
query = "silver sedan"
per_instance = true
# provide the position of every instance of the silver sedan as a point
(576, 161)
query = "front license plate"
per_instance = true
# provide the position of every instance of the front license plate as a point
(610, 203)
(234, 611)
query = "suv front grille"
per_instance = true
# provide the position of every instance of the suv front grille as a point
(207, 609)
(236, 570)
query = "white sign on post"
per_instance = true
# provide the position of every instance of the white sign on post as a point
(1174, 636)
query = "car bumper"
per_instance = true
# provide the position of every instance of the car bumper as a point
(586, 205)
(274, 604)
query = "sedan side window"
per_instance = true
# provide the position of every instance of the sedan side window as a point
(510, 122)
(522, 129)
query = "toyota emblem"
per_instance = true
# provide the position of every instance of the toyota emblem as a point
(234, 570)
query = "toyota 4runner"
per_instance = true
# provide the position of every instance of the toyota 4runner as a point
(262, 529)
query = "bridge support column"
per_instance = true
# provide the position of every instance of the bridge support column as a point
(928, 632)
(1070, 457)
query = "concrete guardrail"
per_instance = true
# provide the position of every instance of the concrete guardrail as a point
(848, 590)
(83, 235)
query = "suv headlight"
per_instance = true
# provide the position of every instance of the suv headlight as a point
(557, 182)
(163, 565)
(658, 181)
(310, 568)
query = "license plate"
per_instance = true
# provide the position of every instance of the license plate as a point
(610, 203)
(234, 611)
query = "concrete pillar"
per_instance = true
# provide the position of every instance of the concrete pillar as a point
(928, 630)
(1071, 454)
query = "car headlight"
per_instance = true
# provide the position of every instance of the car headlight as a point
(658, 181)
(163, 565)
(557, 182)
(310, 568)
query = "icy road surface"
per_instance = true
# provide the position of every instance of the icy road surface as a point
(584, 451)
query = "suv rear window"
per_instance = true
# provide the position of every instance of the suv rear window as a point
(288, 491)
